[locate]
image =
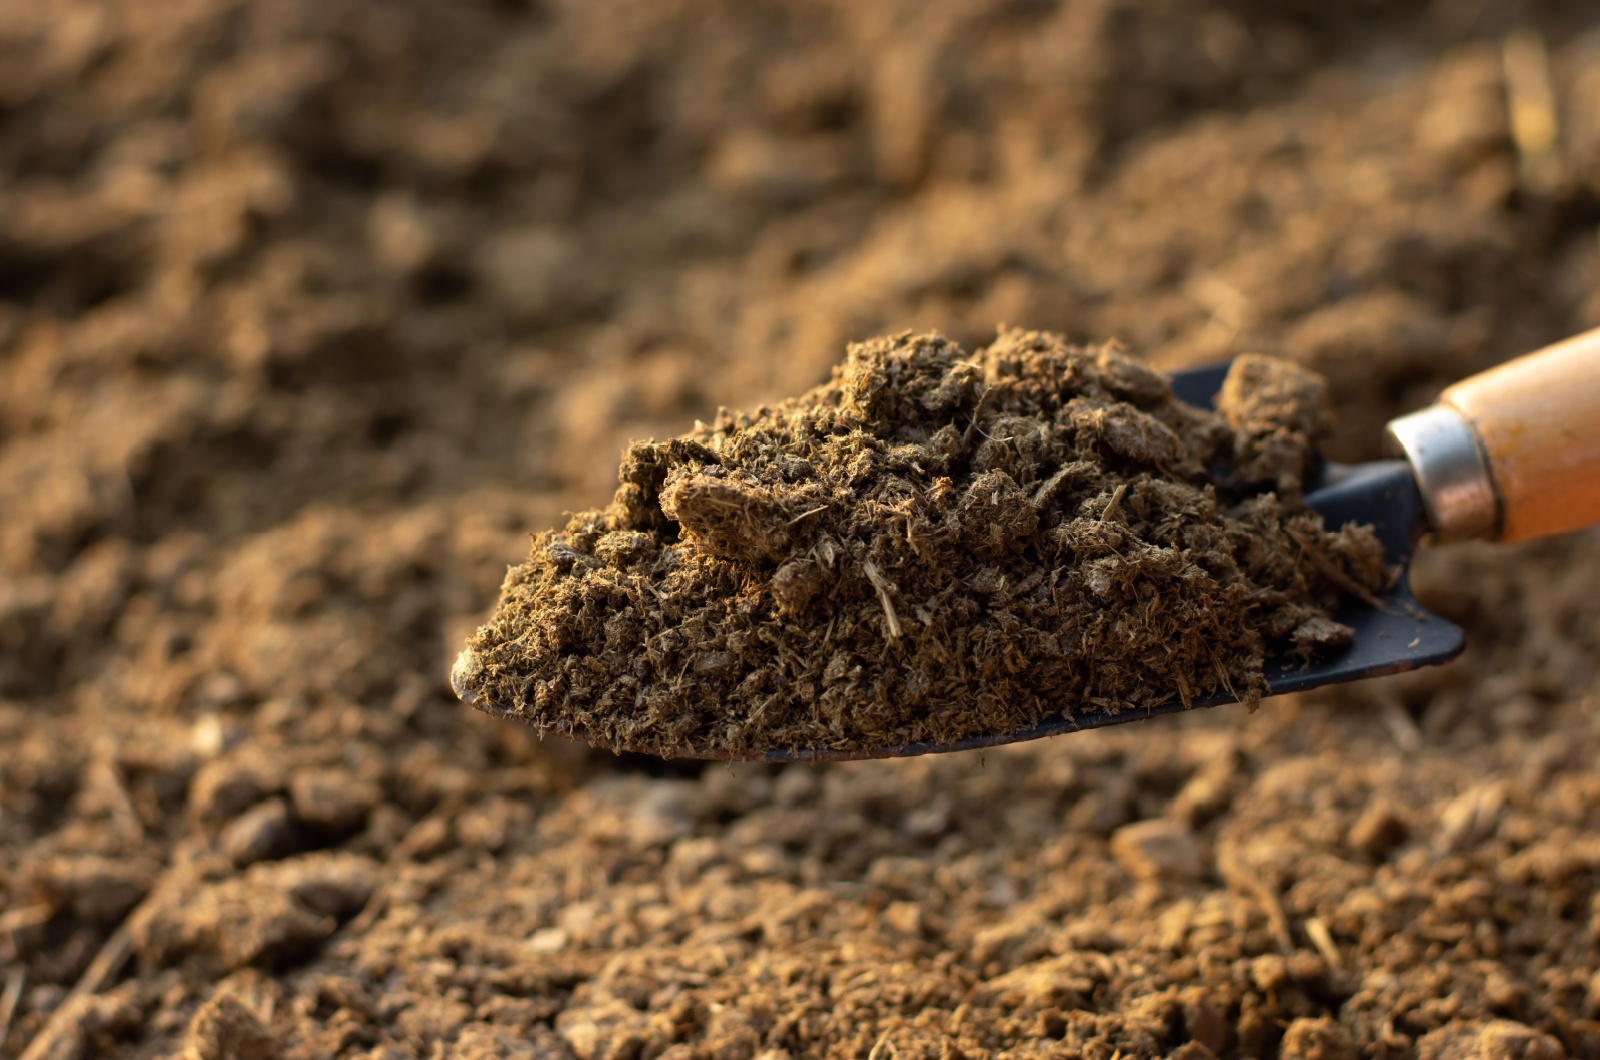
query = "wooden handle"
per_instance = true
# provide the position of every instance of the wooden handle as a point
(1538, 418)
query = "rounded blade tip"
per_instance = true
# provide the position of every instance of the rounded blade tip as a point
(464, 674)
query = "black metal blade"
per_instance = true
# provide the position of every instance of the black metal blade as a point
(1393, 638)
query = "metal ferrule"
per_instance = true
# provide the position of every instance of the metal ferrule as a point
(1453, 475)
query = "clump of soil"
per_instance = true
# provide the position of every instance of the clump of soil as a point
(930, 547)
(1278, 412)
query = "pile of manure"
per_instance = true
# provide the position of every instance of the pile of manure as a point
(932, 546)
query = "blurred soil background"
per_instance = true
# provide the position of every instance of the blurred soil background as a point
(311, 311)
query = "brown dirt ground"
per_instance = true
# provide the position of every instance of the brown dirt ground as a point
(311, 309)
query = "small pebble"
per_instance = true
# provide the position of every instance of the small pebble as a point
(92, 887)
(1158, 849)
(265, 831)
(1378, 830)
(1317, 1039)
(1491, 1040)
(333, 799)
(225, 1028)
(331, 883)
(226, 787)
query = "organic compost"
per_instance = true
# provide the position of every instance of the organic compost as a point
(311, 311)
(931, 547)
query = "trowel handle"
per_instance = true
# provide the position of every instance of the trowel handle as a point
(1512, 453)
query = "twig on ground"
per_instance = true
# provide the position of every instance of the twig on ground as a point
(1322, 939)
(105, 966)
(1241, 878)
(9, 999)
(881, 586)
(1535, 119)
(415, 839)
(1331, 571)
(26, 917)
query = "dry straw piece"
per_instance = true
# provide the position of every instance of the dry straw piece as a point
(933, 545)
